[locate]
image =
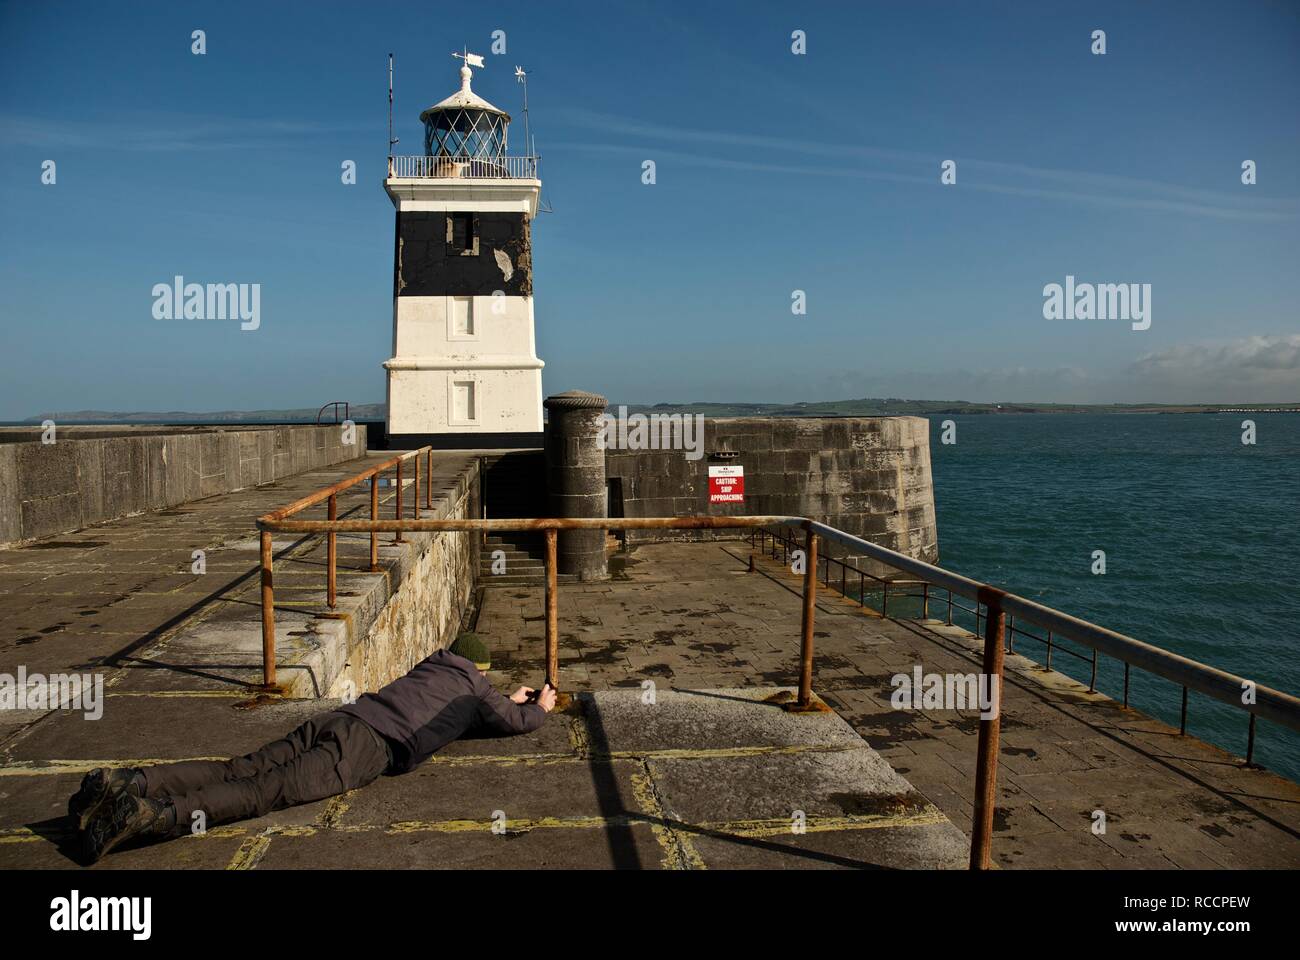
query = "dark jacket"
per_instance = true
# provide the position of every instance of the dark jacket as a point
(441, 698)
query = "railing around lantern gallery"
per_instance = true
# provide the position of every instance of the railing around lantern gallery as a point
(463, 168)
(998, 605)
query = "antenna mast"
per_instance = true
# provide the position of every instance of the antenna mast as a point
(391, 141)
(522, 77)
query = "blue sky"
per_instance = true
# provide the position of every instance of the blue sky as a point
(775, 173)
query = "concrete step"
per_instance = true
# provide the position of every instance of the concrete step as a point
(526, 536)
(516, 580)
(515, 569)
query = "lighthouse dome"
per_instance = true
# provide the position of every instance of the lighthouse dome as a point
(465, 126)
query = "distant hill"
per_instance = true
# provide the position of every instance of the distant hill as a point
(828, 408)
(921, 408)
(358, 411)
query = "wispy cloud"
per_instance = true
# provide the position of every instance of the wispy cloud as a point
(159, 133)
(1248, 361)
(1254, 369)
(990, 176)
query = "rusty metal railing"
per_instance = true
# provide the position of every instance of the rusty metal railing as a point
(1051, 641)
(999, 605)
(329, 495)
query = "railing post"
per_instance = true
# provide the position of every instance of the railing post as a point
(397, 535)
(1048, 665)
(925, 601)
(986, 764)
(415, 489)
(332, 555)
(428, 481)
(552, 613)
(1250, 743)
(1182, 722)
(809, 611)
(1126, 671)
(374, 515)
(268, 614)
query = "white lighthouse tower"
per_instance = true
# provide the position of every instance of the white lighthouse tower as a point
(464, 371)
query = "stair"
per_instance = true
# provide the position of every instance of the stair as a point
(525, 556)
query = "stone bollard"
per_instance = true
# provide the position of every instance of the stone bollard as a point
(575, 478)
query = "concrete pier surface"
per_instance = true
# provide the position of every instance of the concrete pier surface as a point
(674, 753)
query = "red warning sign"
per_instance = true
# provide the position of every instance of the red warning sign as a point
(727, 484)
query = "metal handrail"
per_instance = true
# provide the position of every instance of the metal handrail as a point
(1227, 688)
(423, 167)
(1272, 704)
(347, 410)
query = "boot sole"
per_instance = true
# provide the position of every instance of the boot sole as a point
(94, 802)
(116, 818)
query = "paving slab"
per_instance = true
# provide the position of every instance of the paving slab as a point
(569, 848)
(707, 719)
(903, 848)
(535, 792)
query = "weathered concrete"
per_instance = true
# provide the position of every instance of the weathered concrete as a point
(93, 474)
(707, 776)
(866, 476)
(586, 790)
(127, 595)
(685, 616)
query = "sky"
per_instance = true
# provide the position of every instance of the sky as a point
(775, 172)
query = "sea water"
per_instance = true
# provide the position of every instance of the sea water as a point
(1201, 535)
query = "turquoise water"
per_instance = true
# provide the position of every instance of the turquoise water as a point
(1200, 534)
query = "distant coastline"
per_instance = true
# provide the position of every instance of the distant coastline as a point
(879, 407)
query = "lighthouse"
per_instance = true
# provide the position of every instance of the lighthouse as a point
(464, 371)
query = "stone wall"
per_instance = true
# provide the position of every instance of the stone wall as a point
(418, 607)
(866, 476)
(93, 474)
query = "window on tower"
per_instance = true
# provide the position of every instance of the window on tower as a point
(462, 317)
(462, 234)
(463, 406)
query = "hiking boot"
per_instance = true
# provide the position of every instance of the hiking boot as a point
(96, 788)
(123, 817)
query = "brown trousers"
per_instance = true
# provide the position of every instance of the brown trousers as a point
(328, 755)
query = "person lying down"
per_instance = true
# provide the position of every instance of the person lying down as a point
(391, 731)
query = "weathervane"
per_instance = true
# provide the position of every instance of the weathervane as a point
(471, 59)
